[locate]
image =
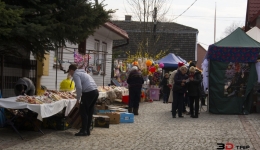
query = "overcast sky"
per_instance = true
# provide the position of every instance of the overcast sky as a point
(200, 15)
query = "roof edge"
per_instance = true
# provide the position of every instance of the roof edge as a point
(116, 29)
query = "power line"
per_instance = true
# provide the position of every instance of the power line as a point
(185, 10)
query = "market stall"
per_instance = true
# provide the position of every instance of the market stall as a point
(43, 110)
(232, 73)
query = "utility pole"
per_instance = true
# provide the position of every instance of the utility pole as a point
(154, 21)
(215, 24)
(154, 25)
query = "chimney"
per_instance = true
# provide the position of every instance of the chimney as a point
(128, 18)
(258, 22)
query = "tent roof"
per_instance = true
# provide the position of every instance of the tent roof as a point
(171, 60)
(236, 47)
(237, 38)
(254, 33)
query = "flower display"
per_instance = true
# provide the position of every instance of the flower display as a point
(148, 63)
(156, 78)
(81, 60)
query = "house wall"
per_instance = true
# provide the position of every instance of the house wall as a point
(90, 46)
(68, 55)
(201, 52)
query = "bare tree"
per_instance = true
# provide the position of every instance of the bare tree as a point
(148, 12)
(143, 10)
(230, 29)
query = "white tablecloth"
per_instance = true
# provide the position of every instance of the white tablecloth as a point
(43, 110)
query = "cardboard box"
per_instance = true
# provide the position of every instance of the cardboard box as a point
(126, 117)
(114, 117)
(101, 121)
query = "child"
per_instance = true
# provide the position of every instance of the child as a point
(165, 88)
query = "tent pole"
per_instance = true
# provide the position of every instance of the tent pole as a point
(208, 86)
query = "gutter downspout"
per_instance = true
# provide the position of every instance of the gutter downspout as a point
(196, 48)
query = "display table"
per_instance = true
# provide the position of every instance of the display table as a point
(43, 110)
(102, 95)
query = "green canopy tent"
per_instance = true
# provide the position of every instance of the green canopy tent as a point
(232, 73)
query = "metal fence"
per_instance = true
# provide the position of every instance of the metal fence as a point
(11, 69)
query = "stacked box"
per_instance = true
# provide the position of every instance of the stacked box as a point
(126, 117)
(114, 117)
(101, 121)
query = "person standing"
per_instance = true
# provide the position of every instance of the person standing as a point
(165, 88)
(24, 86)
(194, 90)
(135, 82)
(171, 81)
(87, 94)
(179, 88)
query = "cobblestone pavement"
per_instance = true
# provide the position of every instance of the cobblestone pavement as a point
(153, 129)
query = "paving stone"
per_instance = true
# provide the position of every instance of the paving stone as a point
(153, 129)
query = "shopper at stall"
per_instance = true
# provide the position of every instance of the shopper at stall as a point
(24, 86)
(135, 82)
(87, 95)
(171, 81)
(193, 87)
(179, 88)
(165, 88)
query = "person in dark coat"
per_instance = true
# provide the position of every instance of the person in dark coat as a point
(194, 90)
(165, 88)
(135, 82)
(179, 88)
(24, 86)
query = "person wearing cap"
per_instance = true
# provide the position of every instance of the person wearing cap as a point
(24, 86)
(135, 82)
(87, 94)
(171, 81)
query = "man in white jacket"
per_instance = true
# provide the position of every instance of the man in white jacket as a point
(87, 94)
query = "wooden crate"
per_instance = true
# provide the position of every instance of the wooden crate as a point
(73, 119)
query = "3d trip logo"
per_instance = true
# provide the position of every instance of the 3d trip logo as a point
(231, 146)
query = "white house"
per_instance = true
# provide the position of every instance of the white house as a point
(99, 47)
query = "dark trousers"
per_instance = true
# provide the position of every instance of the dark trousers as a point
(196, 100)
(177, 103)
(134, 97)
(166, 97)
(86, 108)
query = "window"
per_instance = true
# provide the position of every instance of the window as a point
(104, 54)
(96, 54)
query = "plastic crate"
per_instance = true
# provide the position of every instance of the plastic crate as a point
(125, 99)
(126, 118)
(155, 93)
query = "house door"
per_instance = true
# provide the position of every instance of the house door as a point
(11, 69)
